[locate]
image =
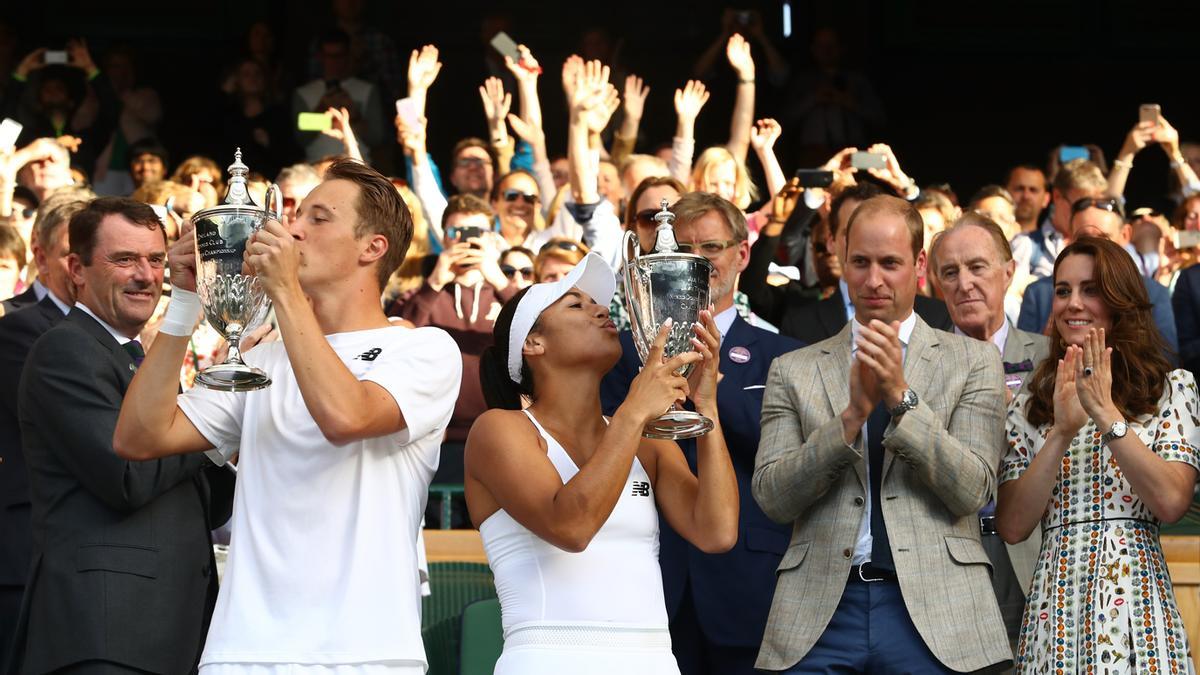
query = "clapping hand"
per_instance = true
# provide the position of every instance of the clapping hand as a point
(880, 350)
(1093, 380)
(1069, 415)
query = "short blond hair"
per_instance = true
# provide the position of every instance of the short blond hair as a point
(744, 190)
(1080, 174)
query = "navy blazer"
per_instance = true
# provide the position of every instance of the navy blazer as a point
(1035, 308)
(1185, 302)
(123, 567)
(732, 591)
(26, 298)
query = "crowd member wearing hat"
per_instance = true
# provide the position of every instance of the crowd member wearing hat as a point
(568, 500)
(718, 604)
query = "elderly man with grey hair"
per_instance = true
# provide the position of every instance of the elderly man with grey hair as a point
(973, 268)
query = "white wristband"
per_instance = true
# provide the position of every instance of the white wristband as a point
(183, 313)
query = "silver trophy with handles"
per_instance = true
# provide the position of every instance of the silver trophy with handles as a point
(661, 285)
(234, 302)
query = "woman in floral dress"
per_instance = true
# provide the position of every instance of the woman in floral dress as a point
(1102, 448)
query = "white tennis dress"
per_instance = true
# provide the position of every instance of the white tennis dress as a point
(600, 611)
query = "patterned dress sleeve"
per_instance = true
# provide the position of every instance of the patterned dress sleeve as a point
(1022, 441)
(1177, 438)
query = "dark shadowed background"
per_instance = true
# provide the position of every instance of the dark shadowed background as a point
(969, 88)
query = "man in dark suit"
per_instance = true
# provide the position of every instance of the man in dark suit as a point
(18, 332)
(122, 578)
(718, 604)
(974, 267)
(1097, 218)
(1186, 305)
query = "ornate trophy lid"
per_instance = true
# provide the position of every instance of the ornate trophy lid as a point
(664, 235)
(237, 195)
(664, 243)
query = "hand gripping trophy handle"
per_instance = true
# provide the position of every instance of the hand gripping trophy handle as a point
(661, 285)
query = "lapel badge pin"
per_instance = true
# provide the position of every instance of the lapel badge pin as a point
(739, 355)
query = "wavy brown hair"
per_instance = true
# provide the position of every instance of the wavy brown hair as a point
(1139, 362)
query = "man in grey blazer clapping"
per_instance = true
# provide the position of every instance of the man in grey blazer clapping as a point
(879, 446)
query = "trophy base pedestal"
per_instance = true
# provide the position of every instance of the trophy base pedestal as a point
(678, 424)
(232, 377)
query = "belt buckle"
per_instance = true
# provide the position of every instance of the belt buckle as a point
(987, 525)
(859, 569)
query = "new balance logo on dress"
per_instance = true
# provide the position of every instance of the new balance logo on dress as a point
(369, 355)
(641, 489)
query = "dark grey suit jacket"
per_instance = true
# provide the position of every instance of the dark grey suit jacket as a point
(18, 332)
(122, 559)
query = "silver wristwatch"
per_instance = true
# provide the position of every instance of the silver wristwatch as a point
(1117, 430)
(908, 401)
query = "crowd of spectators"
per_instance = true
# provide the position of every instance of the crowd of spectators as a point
(503, 212)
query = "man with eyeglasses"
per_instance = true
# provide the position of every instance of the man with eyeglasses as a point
(718, 604)
(1097, 217)
(106, 530)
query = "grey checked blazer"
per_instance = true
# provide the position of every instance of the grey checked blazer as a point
(1021, 346)
(940, 470)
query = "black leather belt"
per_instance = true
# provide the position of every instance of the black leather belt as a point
(868, 573)
(987, 525)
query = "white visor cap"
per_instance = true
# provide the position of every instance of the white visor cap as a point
(592, 276)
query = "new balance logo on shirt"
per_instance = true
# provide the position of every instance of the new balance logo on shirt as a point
(641, 489)
(369, 355)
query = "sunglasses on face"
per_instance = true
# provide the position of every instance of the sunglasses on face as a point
(645, 217)
(707, 248)
(1106, 204)
(510, 271)
(564, 245)
(513, 195)
(469, 163)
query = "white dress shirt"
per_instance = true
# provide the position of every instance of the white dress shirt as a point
(724, 321)
(862, 548)
(121, 339)
(999, 338)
